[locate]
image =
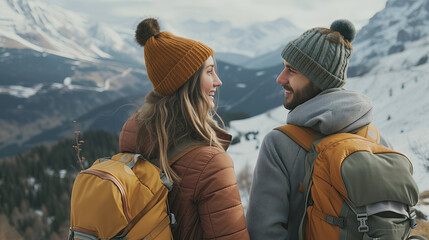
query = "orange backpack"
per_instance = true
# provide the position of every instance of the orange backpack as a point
(122, 197)
(355, 188)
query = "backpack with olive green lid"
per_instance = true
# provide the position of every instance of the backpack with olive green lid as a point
(355, 188)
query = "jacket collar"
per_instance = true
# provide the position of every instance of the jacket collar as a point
(225, 139)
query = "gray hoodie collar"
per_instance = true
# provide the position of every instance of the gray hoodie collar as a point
(333, 110)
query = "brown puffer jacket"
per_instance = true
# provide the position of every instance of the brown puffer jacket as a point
(206, 202)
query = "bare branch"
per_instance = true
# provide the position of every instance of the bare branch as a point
(77, 147)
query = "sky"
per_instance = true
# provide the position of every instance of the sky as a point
(304, 14)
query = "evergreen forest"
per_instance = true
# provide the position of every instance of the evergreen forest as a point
(35, 187)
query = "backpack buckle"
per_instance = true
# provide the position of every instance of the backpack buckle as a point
(173, 222)
(362, 220)
(71, 234)
(413, 217)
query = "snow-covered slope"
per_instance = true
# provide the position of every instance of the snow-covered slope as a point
(47, 28)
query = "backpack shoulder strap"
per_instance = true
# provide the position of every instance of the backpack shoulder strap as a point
(183, 147)
(156, 198)
(177, 152)
(183, 150)
(303, 136)
(370, 132)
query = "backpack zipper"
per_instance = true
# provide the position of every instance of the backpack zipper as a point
(110, 177)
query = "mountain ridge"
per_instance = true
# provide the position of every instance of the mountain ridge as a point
(51, 29)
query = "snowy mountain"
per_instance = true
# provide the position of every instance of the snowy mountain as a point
(398, 85)
(56, 65)
(244, 93)
(80, 67)
(391, 54)
(266, 60)
(40, 91)
(47, 28)
(252, 41)
(402, 25)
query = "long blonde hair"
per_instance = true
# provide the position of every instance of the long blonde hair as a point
(166, 120)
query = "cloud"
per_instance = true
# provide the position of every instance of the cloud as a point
(303, 13)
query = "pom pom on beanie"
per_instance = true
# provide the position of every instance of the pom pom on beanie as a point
(146, 29)
(345, 28)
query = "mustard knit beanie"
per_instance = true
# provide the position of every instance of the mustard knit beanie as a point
(170, 60)
(322, 54)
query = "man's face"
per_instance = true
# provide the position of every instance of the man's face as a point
(298, 88)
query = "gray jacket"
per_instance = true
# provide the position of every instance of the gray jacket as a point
(275, 204)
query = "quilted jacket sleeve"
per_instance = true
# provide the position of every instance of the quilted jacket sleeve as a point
(218, 200)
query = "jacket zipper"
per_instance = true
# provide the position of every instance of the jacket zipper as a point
(110, 177)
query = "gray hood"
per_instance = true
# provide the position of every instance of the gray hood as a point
(332, 111)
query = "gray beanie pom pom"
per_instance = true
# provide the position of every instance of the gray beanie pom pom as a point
(345, 28)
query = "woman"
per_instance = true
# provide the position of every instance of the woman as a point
(176, 115)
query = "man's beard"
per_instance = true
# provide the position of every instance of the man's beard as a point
(301, 96)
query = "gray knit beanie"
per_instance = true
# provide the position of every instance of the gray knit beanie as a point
(322, 54)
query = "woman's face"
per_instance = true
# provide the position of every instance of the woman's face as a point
(209, 80)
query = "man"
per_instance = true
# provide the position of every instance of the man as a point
(315, 69)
